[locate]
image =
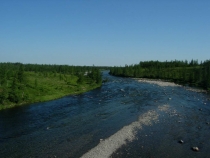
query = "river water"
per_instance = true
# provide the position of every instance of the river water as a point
(123, 118)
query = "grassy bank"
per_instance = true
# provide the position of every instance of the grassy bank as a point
(40, 87)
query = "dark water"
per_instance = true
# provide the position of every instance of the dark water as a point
(70, 126)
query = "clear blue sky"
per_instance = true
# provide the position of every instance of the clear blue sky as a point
(103, 32)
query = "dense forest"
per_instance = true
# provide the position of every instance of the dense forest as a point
(28, 83)
(183, 72)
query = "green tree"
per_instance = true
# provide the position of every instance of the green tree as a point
(80, 79)
(20, 74)
(98, 77)
(35, 83)
(3, 95)
(14, 92)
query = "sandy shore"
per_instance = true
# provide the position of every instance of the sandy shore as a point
(157, 82)
(171, 84)
(127, 134)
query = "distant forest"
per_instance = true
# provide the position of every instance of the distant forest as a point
(26, 83)
(183, 72)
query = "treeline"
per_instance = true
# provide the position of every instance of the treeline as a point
(22, 83)
(183, 72)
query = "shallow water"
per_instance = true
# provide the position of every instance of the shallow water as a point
(71, 126)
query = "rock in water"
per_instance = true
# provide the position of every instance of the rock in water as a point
(181, 141)
(195, 148)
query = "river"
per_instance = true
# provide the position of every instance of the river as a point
(123, 118)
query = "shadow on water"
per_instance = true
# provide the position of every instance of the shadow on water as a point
(70, 126)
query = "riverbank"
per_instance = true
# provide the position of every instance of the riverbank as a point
(45, 98)
(40, 88)
(164, 83)
(161, 83)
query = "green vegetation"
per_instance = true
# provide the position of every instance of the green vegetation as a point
(28, 83)
(183, 72)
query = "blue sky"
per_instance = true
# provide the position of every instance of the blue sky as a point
(103, 32)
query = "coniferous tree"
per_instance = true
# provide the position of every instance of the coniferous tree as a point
(35, 83)
(3, 95)
(80, 79)
(20, 74)
(184, 72)
(14, 92)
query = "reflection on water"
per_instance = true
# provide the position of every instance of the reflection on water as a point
(71, 126)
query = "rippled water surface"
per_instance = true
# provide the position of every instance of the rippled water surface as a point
(71, 126)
